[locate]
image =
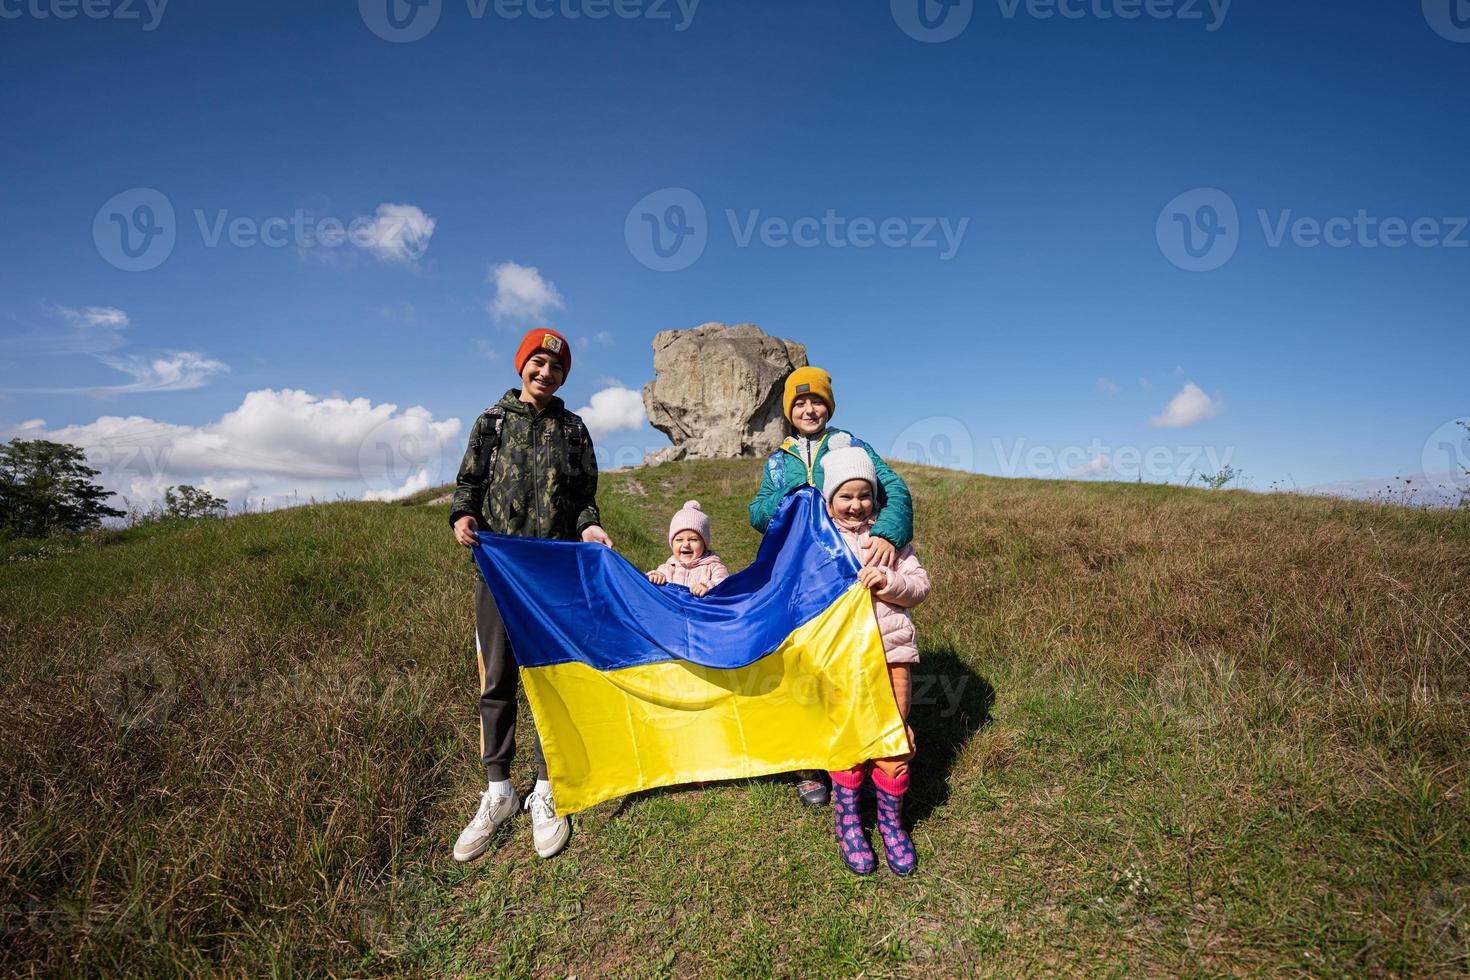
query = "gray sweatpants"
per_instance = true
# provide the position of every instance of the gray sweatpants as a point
(498, 683)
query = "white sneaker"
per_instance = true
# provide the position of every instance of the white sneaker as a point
(548, 831)
(494, 811)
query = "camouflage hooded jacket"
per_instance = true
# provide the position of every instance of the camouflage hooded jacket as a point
(544, 482)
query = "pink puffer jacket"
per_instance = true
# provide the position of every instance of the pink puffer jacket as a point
(708, 570)
(908, 585)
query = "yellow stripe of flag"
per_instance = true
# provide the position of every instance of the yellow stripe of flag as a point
(821, 700)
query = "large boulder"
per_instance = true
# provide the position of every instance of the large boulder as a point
(716, 390)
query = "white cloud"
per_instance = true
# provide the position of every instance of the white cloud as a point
(419, 481)
(175, 371)
(95, 316)
(1107, 386)
(1189, 406)
(275, 445)
(600, 339)
(522, 293)
(397, 233)
(613, 410)
(1097, 464)
(84, 330)
(178, 371)
(95, 330)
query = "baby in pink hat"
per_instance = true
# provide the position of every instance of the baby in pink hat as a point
(692, 563)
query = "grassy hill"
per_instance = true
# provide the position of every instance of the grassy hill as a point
(1160, 730)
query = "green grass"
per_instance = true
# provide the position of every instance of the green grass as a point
(1159, 731)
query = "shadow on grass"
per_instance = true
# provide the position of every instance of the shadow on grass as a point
(950, 704)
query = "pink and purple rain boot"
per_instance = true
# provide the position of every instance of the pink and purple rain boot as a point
(897, 847)
(856, 853)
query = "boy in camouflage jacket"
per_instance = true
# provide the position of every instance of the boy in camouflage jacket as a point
(528, 471)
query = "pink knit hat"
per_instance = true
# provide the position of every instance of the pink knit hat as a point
(690, 518)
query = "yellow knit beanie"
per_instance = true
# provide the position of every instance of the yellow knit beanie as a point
(809, 381)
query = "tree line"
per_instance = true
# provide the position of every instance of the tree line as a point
(47, 488)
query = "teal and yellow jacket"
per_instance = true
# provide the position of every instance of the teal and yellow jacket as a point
(786, 469)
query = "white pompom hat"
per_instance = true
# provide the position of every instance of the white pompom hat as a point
(690, 518)
(848, 463)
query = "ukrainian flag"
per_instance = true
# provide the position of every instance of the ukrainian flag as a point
(634, 685)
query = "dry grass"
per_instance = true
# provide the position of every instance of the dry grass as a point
(1164, 731)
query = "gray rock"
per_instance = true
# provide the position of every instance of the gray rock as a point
(716, 391)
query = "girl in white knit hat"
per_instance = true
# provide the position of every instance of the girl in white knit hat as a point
(850, 485)
(692, 564)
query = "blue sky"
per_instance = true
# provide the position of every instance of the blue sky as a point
(1057, 330)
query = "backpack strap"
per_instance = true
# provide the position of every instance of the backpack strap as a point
(496, 414)
(574, 431)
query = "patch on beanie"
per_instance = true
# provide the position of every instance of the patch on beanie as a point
(551, 343)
